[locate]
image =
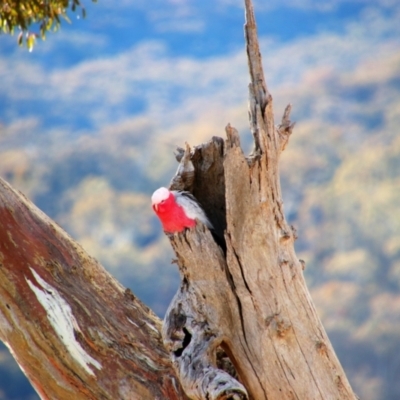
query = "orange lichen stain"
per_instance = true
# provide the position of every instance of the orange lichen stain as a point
(321, 348)
(90, 343)
(69, 379)
(11, 239)
(339, 384)
(38, 387)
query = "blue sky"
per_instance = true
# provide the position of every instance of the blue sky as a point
(130, 58)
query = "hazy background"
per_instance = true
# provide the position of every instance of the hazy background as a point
(90, 119)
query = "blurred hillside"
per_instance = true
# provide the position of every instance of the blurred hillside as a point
(89, 138)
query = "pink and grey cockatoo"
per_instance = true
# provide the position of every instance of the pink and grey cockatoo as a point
(177, 210)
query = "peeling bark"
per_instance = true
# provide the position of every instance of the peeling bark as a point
(73, 329)
(252, 301)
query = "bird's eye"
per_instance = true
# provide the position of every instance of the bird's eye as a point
(162, 201)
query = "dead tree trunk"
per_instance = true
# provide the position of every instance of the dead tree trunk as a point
(251, 305)
(241, 326)
(73, 329)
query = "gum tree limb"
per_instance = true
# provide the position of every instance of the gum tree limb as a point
(73, 329)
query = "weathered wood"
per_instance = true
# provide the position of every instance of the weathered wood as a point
(253, 303)
(73, 329)
(241, 326)
(190, 332)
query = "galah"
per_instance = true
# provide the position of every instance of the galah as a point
(177, 210)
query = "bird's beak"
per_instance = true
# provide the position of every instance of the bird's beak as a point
(155, 206)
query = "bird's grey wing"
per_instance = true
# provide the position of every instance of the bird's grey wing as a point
(192, 207)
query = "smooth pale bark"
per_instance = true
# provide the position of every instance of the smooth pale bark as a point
(253, 303)
(73, 329)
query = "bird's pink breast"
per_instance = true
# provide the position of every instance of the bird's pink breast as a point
(173, 217)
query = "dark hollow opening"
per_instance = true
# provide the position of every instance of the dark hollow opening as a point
(185, 343)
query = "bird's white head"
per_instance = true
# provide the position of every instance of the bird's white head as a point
(159, 196)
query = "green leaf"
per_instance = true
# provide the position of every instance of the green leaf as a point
(46, 15)
(30, 41)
